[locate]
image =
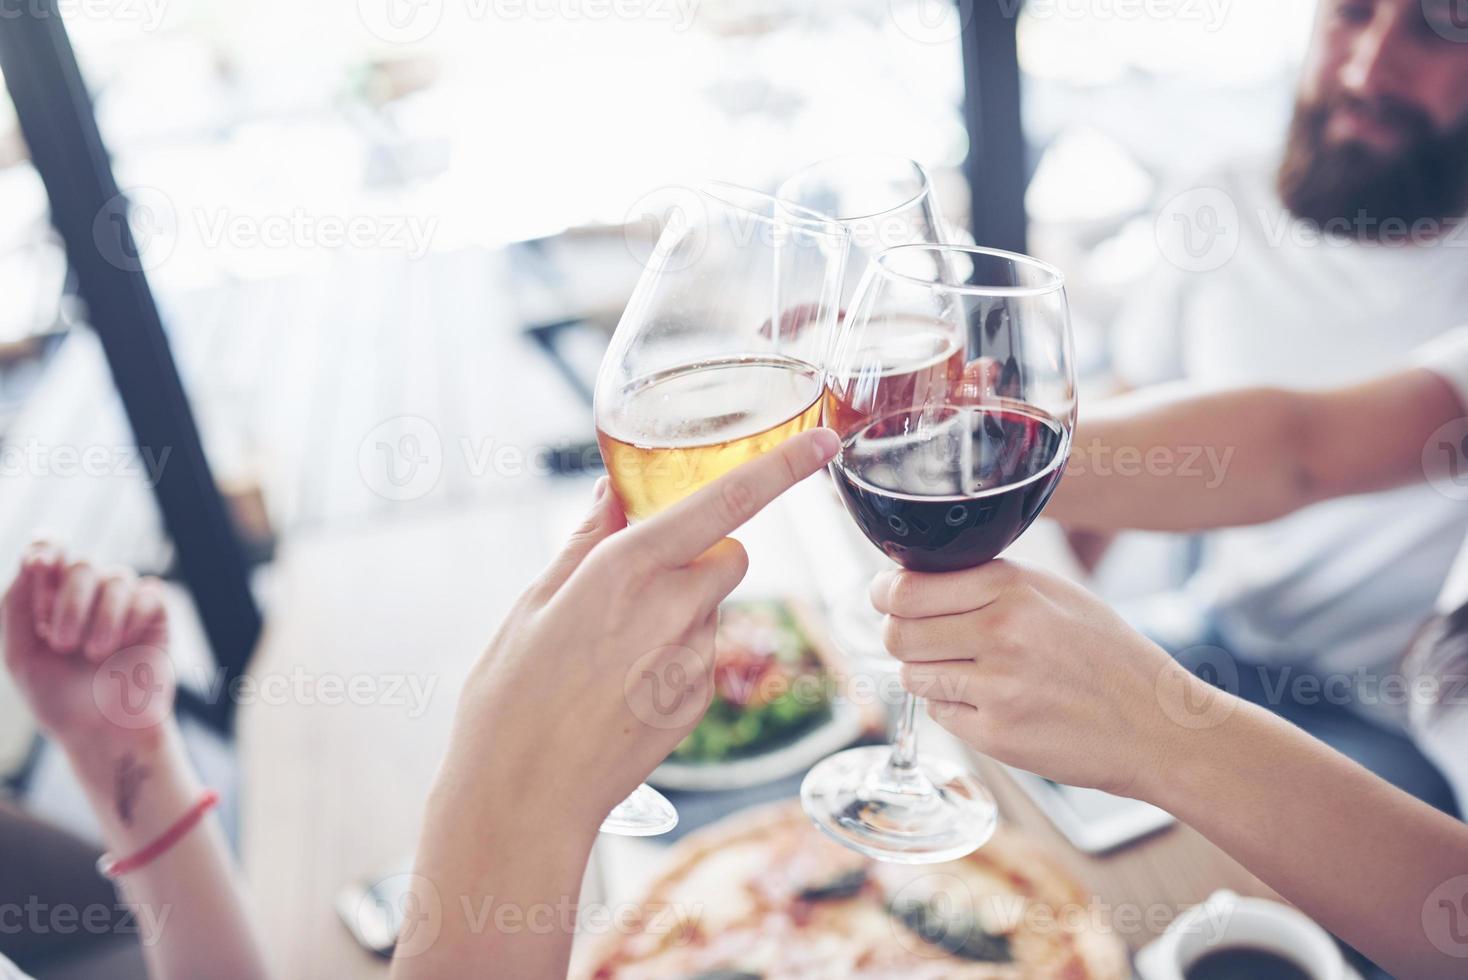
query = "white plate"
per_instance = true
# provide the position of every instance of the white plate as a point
(840, 730)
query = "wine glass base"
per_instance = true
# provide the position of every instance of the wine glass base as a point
(942, 815)
(645, 813)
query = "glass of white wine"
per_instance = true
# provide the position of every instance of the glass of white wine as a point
(717, 359)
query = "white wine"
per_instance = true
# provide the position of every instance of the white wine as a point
(672, 432)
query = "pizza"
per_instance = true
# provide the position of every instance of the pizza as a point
(764, 895)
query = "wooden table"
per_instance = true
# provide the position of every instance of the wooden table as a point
(333, 792)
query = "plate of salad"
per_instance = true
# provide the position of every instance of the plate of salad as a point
(774, 710)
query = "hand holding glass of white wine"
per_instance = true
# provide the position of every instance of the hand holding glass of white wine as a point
(717, 359)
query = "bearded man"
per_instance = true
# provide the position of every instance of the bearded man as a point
(1316, 270)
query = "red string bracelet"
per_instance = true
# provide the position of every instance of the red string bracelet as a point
(110, 868)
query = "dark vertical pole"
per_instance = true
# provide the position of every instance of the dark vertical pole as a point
(996, 168)
(56, 118)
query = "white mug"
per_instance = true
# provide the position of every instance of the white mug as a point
(1225, 920)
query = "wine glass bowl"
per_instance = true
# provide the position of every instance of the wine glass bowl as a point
(718, 355)
(954, 400)
(717, 359)
(952, 388)
(882, 200)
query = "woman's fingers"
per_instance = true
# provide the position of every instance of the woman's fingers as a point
(695, 524)
(74, 603)
(916, 595)
(114, 598)
(959, 719)
(42, 568)
(715, 574)
(953, 682)
(603, 520)
(147, 617)
(933, 639)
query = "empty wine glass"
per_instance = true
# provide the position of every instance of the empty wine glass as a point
(882, 200)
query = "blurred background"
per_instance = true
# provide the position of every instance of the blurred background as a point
(332, 201)
(354, 214)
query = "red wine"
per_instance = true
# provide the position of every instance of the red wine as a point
(950, 487)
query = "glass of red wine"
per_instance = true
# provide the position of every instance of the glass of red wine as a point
(953, 438)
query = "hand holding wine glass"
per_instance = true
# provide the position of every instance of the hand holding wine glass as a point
(1010, 659)
(567, 710)
(952, 390)
(716, 361)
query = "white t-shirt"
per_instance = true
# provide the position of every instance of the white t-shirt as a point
(8, 970)
(1269, 306)
(1439, 708)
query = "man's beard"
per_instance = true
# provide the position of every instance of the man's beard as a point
(1350, 189)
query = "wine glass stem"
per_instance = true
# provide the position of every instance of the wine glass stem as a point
(904, 742)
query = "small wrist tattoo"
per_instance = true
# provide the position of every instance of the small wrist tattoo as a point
(128, 781)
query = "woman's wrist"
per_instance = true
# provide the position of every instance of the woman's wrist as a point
(481, 790)
(1184, 715)
(1191, 770)
(139, 784)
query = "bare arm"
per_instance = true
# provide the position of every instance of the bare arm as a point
(1038, 673)
(1166, 460)
(89, 650)
(1352, 851)
(566, 713)
(190, 913)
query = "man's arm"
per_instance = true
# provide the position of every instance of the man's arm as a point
(1164, 460)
